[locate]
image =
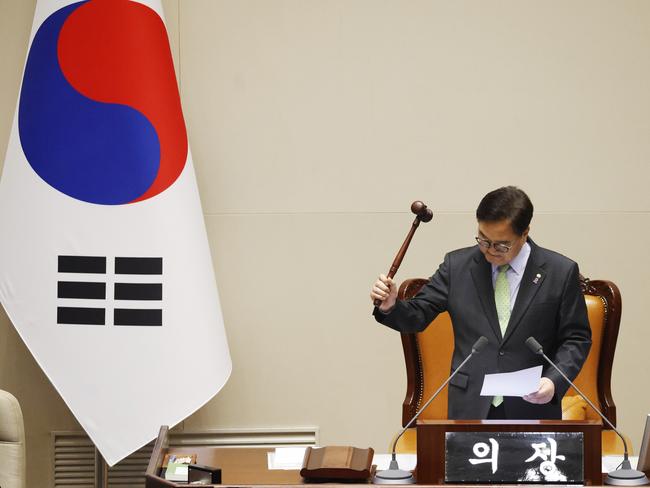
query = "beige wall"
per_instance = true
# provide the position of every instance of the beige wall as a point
(314, 124)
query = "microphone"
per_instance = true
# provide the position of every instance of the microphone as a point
(626, 476)
(395, 476)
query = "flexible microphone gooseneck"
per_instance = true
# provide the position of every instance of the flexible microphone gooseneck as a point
(626, 476)
(395, 476)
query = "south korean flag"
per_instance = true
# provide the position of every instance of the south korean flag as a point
(105, 269)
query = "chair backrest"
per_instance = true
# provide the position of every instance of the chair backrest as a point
(12, 442)
(151, 481)
(428, 356)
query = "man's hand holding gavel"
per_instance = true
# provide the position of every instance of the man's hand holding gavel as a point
(384, 290)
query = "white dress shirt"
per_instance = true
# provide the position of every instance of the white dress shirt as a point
(515, 272)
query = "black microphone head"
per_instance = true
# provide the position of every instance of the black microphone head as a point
(479, 344)
(534, 346)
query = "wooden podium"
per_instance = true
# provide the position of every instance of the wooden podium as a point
(458, 451)
(248, 466)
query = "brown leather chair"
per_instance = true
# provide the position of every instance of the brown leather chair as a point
(428, 358)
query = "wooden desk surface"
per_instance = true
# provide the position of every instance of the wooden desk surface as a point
(242, 466)
(249, 467)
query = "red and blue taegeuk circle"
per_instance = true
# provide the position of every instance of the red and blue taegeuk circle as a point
(99, 114)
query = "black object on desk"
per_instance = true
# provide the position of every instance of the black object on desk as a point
(198, 473)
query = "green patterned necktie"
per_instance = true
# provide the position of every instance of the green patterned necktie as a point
(502, 301)
(502, 298)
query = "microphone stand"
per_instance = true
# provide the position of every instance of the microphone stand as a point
(395, 476)
(626, 476)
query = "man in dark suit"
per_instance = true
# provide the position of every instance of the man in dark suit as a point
(507, 289)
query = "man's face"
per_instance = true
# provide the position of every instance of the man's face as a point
(500, 233)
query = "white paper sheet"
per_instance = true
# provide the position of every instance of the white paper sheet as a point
(517, 383)
(286, 458)
(292, 458)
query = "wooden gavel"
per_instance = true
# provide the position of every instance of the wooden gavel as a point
(422, 214)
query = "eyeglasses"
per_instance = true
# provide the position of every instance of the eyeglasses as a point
(498, 247)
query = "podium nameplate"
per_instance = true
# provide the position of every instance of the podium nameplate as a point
(514, 457)
(444, 455)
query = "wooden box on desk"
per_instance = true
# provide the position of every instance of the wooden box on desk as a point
(431, 436)
(343, 463)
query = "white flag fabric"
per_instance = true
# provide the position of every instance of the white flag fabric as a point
(105, 269)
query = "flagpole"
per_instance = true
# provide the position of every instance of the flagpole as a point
(101, 470)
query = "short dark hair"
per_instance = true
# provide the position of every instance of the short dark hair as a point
(506, 203)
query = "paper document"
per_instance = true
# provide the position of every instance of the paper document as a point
(286, 458)
(517, 383)
(177, 472)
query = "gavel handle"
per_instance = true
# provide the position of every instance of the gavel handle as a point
(400, 254)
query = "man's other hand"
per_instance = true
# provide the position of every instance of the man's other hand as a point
(544, 394)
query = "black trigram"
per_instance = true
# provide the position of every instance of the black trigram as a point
(125, 289)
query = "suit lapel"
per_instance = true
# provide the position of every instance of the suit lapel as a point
(482, 276)
(531, 282)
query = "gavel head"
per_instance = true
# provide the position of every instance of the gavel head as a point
(423, 213)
